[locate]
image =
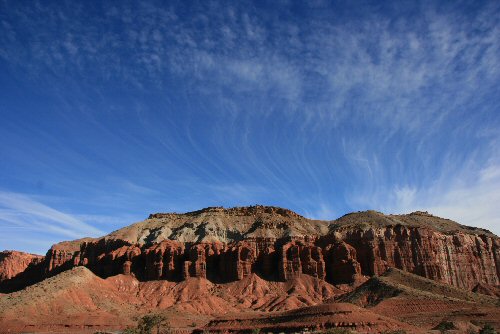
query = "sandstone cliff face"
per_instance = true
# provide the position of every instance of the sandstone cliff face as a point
(13, 263)
(226, 245)
(342, 264)
(18, 270)
(462, 260)
(301, 258)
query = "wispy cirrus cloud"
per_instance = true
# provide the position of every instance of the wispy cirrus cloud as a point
(374, 68)
(469, 196)
(28, 215)
(471, 200)
(388, 106)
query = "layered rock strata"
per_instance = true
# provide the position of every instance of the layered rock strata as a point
(225, 245)
(13, 263)
(462, 260)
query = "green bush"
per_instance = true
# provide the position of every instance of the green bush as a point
(445, 326)
(487, 329)
(150, 323)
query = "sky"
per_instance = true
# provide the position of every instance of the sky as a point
(111, 110)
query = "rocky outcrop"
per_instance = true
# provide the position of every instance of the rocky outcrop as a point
(196, 264)
(460, 259)
(13, 263)
(18, 270)
(225, 245)
(162, 261)
(299, 258)
(342, 264)
(488, 290)
(237, 261)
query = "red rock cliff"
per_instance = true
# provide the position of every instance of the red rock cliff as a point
(462, 260)
(230, 244)
(13, 263)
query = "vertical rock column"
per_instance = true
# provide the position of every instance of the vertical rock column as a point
(341, 264)
(196, 266)
(245, 261)
(299, 259)
(289, 261)
(311, 258)
(163, 260)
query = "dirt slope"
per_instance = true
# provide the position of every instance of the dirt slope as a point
(78, 300)
(423, 302)
(320, 317)
(258, 266)
(397, 283)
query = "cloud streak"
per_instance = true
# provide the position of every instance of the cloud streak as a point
(27, 214)
(137, 107)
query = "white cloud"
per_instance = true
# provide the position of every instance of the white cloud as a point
(26, 213)
(471, 198)
(323, 212)
(387, 66)
(475, 204)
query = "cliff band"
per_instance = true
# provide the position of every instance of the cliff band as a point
(225, 245)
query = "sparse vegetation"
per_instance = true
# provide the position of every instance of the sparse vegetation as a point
(338, 330)
(153, 323)
(445, 326)
(394, 331)
(130, 330)
(487, 329)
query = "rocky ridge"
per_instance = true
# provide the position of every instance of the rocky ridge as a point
(224, 245)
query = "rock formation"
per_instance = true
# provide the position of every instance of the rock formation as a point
(343, 267)
(13, 263)
(301, 258)
(459, 259)
(225, 245)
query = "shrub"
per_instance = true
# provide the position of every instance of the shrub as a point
(149, 324)
(130, 330)
(445, 326)
(487, 329)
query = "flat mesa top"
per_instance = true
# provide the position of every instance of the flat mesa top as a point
(218, 224)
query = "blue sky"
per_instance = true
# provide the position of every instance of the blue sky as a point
(113, 110)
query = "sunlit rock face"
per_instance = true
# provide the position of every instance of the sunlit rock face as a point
(462, 260)
(225, 245)
(13, 263)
